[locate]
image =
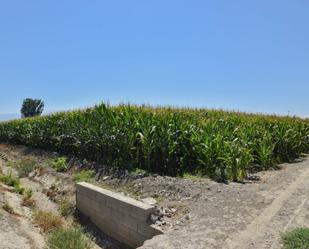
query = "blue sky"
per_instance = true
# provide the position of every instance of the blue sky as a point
(243, 55)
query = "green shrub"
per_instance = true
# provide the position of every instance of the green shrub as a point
(296, 239)
(68, 238)
(66, 207)
(60, 164)
(84, 176)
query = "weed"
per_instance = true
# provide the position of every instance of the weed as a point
(12, 181)
(52, 192)
(84, 176)
(28, 193)
(8, 208)
(26, 166)
(60, 164)
(27, 199)
(47, 221)
(296, 239)
(11, 164)
(138, 171)
(3, 157)
(18, 189)
(193, 176)
(28, 202)
(68, 238)
(66, 207)
(9, 180)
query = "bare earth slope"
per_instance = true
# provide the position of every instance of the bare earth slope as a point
(211, 214)
(16, 230)
(244, 215)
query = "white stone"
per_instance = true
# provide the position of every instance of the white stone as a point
(150, 201)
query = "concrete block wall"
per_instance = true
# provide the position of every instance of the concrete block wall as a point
(120, 217)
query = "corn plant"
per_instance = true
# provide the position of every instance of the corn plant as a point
(170, 141)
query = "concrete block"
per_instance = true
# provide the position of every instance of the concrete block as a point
(121, 217)
(148, 230)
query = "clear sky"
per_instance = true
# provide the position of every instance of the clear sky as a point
(243, 55)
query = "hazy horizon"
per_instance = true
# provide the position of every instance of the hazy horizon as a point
(8, 116)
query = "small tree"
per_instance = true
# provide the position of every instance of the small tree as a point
(32, 107)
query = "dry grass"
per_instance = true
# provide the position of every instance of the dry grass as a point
(47, 221)
(66, 207)
(25, 166)
(28, 202)
(8, 208)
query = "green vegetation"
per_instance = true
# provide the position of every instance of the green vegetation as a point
(137, 171)
(13, 182)
(18, 189)
(66, 207)
(9, 180)
(221, 145)
(296, 239)
(68, 238)
(32, 107)
(47, 221)
(84, 176)
(192, 177)
(60, 164)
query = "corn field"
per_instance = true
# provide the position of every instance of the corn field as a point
(169, 141)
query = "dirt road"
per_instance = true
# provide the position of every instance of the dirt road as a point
(245, 216)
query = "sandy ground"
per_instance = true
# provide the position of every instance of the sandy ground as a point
(244, 215)
(209, 214)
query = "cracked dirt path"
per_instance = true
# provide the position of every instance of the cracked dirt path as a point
(245, 216)
(289, 209)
